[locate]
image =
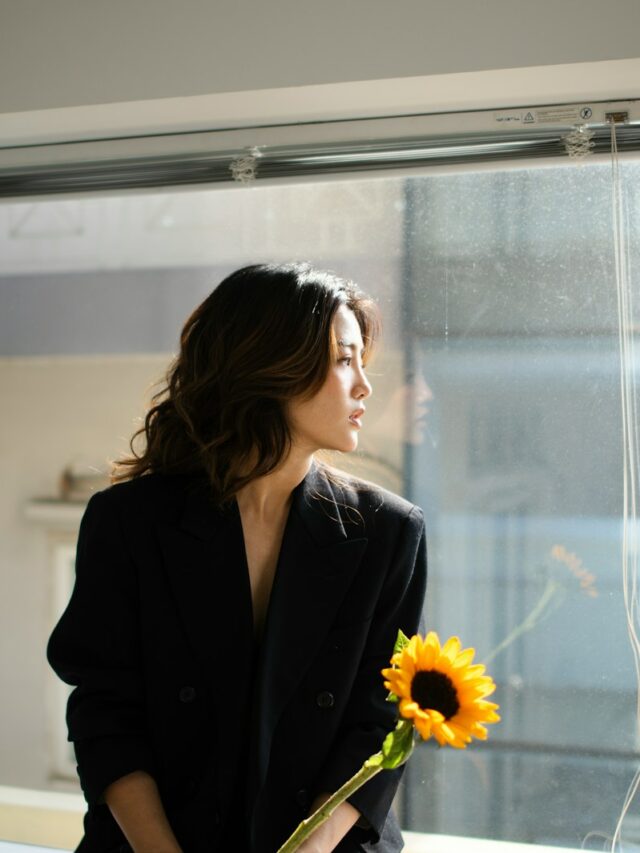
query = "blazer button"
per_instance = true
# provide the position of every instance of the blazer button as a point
(187, 694)
(302, 798)
(325, 699)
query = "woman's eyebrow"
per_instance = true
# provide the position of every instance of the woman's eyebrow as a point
(349, 345)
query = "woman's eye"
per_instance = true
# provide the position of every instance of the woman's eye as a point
(346, 359)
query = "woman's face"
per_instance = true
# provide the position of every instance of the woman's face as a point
(331, 419)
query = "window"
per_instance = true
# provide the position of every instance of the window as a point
(496, 407)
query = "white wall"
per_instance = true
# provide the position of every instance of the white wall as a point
(55, 411)
(77, 52)
(82, 69)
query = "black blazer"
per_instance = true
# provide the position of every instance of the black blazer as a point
(158, 638)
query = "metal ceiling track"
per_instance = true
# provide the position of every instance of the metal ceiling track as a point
(251, 155)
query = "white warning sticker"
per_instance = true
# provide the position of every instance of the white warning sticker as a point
(558, 115)
(546, 115)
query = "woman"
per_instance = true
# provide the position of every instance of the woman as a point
(235, 599)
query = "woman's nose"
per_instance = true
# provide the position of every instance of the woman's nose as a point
(363, 388)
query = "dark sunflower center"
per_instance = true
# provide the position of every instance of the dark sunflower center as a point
(435, 690)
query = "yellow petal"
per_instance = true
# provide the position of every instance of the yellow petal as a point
(408, 708)
(398, 679)
(464, 658)
(427, 657)
(432, 641)
(407, 660)
(423, 726)
(473, 671)
(460, 732)
(412, 649)
(439, 736)
(447, 732)
(436, 716)
(451, 648)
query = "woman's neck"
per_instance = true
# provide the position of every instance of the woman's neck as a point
(266, 498)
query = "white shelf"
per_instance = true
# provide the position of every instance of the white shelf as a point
(52, 511)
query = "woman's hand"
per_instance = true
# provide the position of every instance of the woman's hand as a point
(310, 846)
(326, 837)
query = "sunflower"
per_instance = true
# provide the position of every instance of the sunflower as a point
(441, 691)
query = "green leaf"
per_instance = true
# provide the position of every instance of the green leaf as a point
(401, 641)
(374, 760)
(392, 697)
(398, 745)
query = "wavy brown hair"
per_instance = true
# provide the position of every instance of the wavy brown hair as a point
(262, 338)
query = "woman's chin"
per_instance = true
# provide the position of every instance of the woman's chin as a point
(352, 444)
(347, 445)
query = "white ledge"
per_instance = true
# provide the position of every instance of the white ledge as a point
(419, 842)
(54, 800)
(415, 842)
(54, 512)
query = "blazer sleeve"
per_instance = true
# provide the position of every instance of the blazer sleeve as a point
(368, 716)
(96, 647)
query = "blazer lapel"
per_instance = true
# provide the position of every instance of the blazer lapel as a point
(318, 560)
(204, 562)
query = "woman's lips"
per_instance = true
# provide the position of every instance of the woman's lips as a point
(356, 418)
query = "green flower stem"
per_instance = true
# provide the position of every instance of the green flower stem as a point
(318, 817)
(541, 609)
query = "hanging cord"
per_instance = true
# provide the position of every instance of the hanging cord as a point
(629, 441)
(243, 168)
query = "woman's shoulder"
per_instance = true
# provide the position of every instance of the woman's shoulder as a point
(147, 493)
(373, 501)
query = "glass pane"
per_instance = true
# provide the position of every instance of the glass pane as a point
(496, 408)
(513, 314)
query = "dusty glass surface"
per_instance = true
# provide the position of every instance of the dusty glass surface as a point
(496, 407)
(514, 327)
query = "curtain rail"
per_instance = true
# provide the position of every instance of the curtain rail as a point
(184, 159)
